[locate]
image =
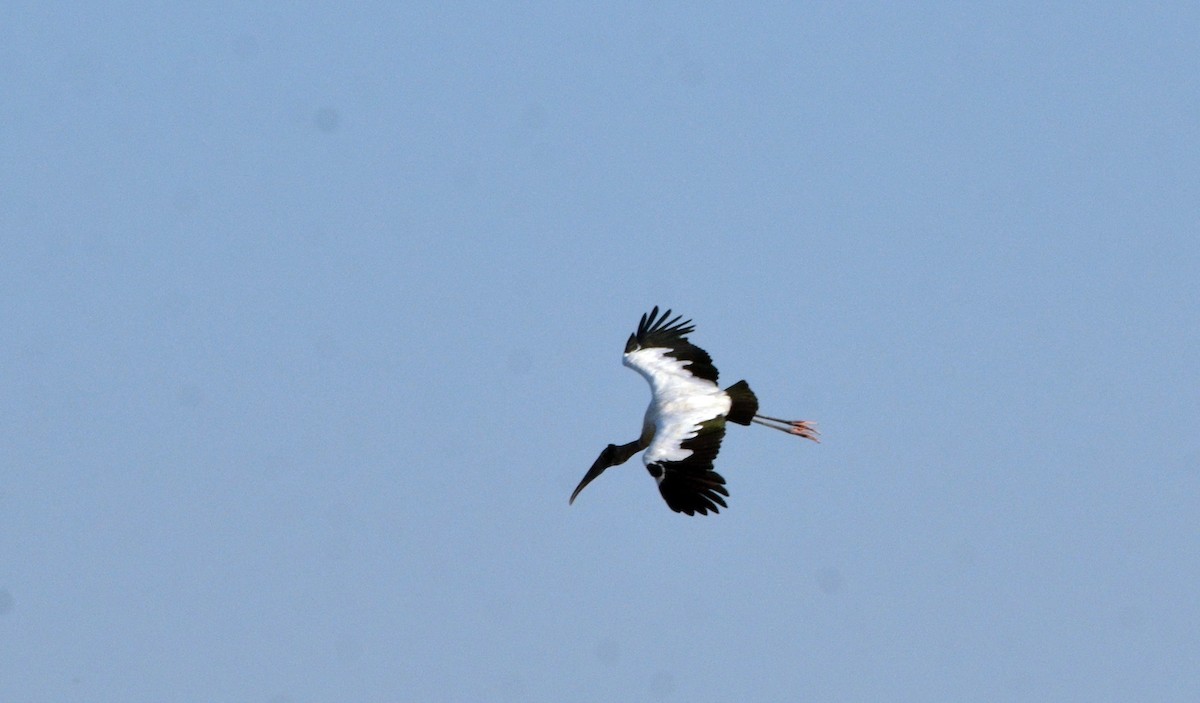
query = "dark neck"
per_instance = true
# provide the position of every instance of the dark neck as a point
(622, 453)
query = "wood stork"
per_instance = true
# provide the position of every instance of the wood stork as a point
(684, 425)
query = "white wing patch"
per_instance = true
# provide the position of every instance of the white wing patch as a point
(679, 403)
(667, 375)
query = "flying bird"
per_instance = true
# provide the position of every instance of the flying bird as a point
(685, 423)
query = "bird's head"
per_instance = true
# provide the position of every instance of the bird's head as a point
(606, 459)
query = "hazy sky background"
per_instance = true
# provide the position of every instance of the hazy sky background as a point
(312, 318)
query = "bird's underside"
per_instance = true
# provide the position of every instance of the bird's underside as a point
(685, 422)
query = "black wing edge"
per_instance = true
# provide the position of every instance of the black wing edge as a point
(694, 493)
(656, 330)
(664, 331)
(690, 485)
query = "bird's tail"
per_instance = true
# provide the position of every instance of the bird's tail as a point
(745, 404)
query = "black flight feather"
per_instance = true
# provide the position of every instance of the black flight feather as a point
(670, 333)
(690, 485)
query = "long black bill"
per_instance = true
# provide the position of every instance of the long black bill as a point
(611, 456)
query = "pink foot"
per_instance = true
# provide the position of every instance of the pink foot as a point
(805, 429)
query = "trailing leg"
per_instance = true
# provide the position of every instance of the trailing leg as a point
(800, 428)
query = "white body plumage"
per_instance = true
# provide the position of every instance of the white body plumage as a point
(679, 402)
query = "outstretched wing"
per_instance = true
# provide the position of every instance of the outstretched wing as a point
(669, 335)
(681, 459)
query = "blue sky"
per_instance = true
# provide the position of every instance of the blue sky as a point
(313, 319)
